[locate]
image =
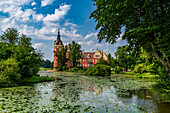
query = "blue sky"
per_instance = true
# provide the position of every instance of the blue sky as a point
(40, 20)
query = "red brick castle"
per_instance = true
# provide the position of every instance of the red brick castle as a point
(88, 60)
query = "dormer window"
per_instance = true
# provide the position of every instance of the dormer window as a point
(97, 55)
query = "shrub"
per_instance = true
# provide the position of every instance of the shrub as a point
(99, 70)
(74, 69)
(139, 68)
(64, 68)
(117, 70)
(9, 75)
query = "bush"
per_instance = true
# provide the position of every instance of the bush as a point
(9, 73)
(139, 68)
(99, 70)
(74, 69)
(64, 68)
(117, 70)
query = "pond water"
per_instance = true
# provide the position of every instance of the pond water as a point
(72, 92)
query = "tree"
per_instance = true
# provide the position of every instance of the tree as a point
(46, 64)
(9, 75)
(5, 51)
(123, 56)
(146, 24)
(61, 56)
(27, 58)
(109, 59)
(75, 53)
(10, 35)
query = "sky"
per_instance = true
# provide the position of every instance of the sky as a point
(41, 19)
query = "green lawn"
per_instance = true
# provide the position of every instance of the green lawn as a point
(37, 79)
(132, 74)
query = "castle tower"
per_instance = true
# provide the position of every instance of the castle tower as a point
(57, 45)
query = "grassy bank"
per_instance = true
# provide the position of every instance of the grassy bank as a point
(37, 79)
(44, 69)
(136, 75)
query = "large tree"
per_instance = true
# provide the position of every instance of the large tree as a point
(75, 53)
(146, 24)
(10, 35)
(27, 58)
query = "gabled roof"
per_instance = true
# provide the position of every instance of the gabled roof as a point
(88, 54)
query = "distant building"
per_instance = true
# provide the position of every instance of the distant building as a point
(88, 60)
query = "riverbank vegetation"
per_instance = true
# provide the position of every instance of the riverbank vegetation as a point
(145, 25)
(18, 59)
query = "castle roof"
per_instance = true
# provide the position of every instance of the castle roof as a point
(58, 41)
(88, 54)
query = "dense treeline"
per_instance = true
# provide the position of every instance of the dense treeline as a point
(145, 23)
(18, 59)
(46, 64)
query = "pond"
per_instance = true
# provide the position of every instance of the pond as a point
(71, 92)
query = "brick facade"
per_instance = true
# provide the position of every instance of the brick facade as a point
(88, 60)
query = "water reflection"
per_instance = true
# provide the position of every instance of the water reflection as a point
(97, 92)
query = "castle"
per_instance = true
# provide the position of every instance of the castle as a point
(88, 60)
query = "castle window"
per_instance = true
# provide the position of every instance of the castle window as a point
(96, 60)
(97, 55)
(83, 65)
(90, 60)
(80, 64)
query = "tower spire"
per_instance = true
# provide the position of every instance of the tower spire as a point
(58, 36)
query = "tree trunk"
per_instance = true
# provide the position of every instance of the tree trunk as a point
(163, 61)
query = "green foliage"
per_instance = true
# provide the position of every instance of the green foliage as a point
(109, 59)
(75, 53)
(46, 64)
(44, 69)
(146, 24)
(36, 79)
(101, 61)
(6, 51)
(9, 75)
(118, 69)
(99, 70)
(62, 59)
(10, 36)
(26, 59)
(74, 69)
(64, 68)
(139, 68)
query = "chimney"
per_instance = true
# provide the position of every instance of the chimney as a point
(92, 50)
(83, 50)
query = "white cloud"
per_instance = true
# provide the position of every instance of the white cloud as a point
(46, 2)
(39, 45)
(90, 35)
(58, 14)
(71, 34)
(70, 24)
(38, 17)
(33, 3)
